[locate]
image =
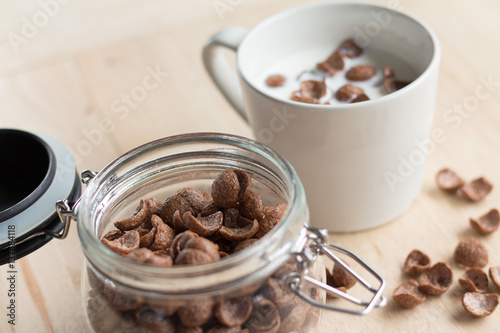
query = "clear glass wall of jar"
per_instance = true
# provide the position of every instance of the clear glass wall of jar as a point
(121, 295)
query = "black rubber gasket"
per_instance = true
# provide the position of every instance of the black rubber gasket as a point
(26, 172)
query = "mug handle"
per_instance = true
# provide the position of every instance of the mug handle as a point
(218, 68)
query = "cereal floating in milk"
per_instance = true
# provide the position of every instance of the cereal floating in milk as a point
(349, 74)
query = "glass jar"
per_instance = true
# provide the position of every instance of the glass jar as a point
(278, 281)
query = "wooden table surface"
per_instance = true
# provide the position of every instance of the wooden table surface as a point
(63, 78)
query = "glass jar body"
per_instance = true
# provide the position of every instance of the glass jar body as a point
(247, 291)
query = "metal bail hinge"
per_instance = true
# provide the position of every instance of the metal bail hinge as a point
(318, 245)
(66, 212)
(87, 175)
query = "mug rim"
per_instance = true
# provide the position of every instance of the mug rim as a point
(434, 62)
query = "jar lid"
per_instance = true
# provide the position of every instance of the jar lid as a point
(36, 171)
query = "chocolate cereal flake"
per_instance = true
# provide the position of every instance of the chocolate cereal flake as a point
(313, 89)
(148, 238)
(295, 97)
(448, 180)
(233, 311)
(265, 316)
(295, 317)
(480, 305)
(196, 199)
(350, 49)
(394, 85)
(333, 64)
(408, 294)
(437, 279)
(124, 244)
(205, 245)
(141, 255)
(342, 278)
(470, 252)
(147, 256)
(331, 283)
(226, 189)
(247, 230)
(476, 190)
(487, 223)
(416, 263)
(120, 300)
(189, 329)
(225, 329)
(272, 215)
(348, 92)
(180, 241)
(324, 67)
(151, 321)
(230, 217)
(164, 235)
(390, 83)
(192, 257)
(203, 226)
(244, 244)
(133, 222)
(275, 80)
(171, 205)
(360, 73)
(252, 207)
(474, 280)
(102, 318)
(495, 275)
(245, 184)
(388, 73)
(277, 291)
(196, 313)
(361, 98)
(113, 234)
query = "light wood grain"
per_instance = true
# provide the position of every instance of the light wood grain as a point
(63, 82)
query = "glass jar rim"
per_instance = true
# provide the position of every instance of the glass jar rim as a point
(295, 207)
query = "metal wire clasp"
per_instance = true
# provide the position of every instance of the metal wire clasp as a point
(67, 213)
(317, 244)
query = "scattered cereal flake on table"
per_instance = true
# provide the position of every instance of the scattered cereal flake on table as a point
(437, 279)
(408, 294)
(474, 280)
(470, 252)
(448, 180)
(476, 190)
(342, 278)
(495, 275)
(416, 263)
(331, 283)
(480, 305)
(487, 223)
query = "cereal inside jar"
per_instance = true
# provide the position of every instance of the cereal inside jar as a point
(183, 243)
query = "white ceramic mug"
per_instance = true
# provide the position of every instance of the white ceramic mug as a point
(361, 164)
